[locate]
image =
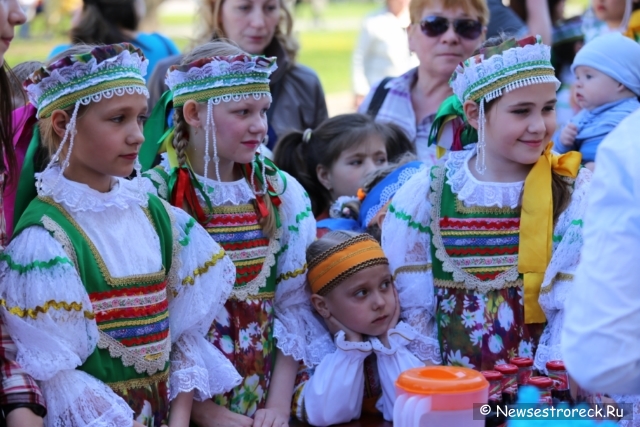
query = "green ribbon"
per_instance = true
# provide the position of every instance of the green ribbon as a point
(450, 108)
(156, 131)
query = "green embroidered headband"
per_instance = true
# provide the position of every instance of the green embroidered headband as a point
(221, 78)
(105, 71)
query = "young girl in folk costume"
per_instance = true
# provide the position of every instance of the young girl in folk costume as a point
(352, 290)
(605, 16)
(484, 245)
(259, 214)
(99, 271)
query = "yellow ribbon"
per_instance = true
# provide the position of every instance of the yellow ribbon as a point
(633, 28)
(537, 214)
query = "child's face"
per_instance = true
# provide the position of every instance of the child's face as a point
(348, 172)
(610, 11)
(240, 128)
(365, 302)
(520, 124)
(108, 139)
(594, 88)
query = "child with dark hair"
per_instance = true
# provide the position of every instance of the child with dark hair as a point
(332, 160)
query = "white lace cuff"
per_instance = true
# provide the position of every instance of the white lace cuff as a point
(197, 365)
(76, 399)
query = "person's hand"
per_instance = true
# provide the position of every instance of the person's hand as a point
(568, 135)
(393, 320)
(335, 326)
(270, 417)
(358, 100)
(210, 414)
(23, 417)
(591, 166)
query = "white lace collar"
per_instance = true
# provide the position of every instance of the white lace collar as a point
(473, 192)
(222, 193)
(225, 193)
(78, 197)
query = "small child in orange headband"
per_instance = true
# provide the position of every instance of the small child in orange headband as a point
(352, 289)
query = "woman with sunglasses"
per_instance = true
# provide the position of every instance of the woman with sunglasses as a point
(442, 34)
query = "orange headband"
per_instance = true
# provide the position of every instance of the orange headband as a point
(333, 266)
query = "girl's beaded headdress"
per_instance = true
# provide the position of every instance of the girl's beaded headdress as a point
(212, 80)
(500, 69)
(72, 81)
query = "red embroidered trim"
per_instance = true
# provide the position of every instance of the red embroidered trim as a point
(512, 250)
(486, 224)
(233, 219)
(249, 244)
(128, 292)
(487, 276)
(132, 312)
(146, 339)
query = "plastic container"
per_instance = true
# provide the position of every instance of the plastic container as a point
(493, 418)
(439, 396)
(561, 389)
(544, 385)
(525, 369)
(509, 383)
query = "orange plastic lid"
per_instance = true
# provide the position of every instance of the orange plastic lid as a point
(441, 380)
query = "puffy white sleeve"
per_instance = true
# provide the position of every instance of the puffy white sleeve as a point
(558, 280)
(406, 242)
(300, 333)
(392, 362)
(200, 282)
(335, 391)
(49, 315)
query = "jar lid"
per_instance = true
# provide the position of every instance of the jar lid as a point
(540, 382)
(507, 369)
(492, 375)
(441, 380)
(556, 365)
(522, 362)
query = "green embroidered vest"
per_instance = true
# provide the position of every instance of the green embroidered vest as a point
(132, 355)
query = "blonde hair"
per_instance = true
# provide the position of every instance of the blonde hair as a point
(471, 7)
(48, 136)
(180, 140)
(210, 12)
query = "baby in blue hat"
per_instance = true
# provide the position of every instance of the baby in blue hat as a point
(607, 72)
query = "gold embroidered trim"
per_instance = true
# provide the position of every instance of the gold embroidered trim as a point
(219, 230)
(61, 236)
(189, 280)
(291, 274)
(560, 277)
(124, 323)
(461, 285)
(505, 80)
(259, 297)
(112, 281)
(233, 209)
(123, 386)
(486, 269)
(447, 233)
(70, 99)
(491, 210)
(408, 269)
(253, 261)
(33, 312)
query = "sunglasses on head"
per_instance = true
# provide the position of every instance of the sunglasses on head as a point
(434, 26)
